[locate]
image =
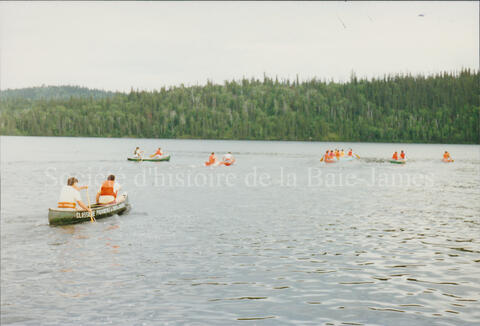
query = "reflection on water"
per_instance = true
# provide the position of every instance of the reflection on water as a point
(289, 251)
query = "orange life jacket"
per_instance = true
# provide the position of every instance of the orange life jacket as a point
(158, 152)
(211, 159)
(402, 155)
(446, 156)
(350, 153)
(395, 156)
(107, 189)
(66, 204)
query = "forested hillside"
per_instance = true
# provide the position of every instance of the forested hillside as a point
(398, 108)
(54, 92)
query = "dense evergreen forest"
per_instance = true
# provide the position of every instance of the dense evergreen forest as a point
(440, 108)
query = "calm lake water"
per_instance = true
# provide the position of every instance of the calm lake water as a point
(277, 239)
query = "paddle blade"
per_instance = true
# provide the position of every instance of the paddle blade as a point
(92, 219)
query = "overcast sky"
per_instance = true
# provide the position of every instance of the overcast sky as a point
(147, 45)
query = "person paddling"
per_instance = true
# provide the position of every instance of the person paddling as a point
(138, 153)
(395, 156)
(212, 159)
(228, 159)
(158, 153)
(326, 156)
(329, 156)
(402, 155)
(337, 154)
(70, 196)
(447, 157)
(350, 152)
(108, 191)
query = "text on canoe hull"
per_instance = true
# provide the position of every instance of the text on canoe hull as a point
(101, 211)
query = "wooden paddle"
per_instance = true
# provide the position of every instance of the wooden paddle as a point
(321, 160)
(92, 219)
(357, 156)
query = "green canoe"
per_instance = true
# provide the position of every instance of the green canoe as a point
(59, 216)
(398, 161)
(162, 159)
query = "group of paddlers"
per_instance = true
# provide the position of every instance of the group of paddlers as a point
(402, 156)
(332, 155)
(107, 194)
(336, 154)
(227, 160)
(139, 153)
(396, 157)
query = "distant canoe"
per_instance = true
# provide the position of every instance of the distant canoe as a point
(398, 161)
(161, 159)
(347, 158)
(59, 216)
(341, 159)
(219, 163)
(216, 163)
(447, 160)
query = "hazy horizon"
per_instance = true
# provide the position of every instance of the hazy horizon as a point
(150, 45)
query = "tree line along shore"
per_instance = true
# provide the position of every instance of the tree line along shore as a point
(439, 108)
